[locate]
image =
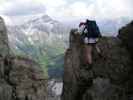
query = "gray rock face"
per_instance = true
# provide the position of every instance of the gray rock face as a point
(126, 35)
(108, 77)
(4, 48)
(20, 78)
(5, 91)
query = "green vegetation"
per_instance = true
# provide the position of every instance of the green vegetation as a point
(47, 55)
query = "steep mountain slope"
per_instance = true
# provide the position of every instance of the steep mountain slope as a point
(41, 38)
(41, 30)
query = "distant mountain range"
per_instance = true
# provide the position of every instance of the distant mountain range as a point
(110, 27)
(42, 39)
(42, 29)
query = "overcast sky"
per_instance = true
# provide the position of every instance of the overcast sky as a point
(67, 8)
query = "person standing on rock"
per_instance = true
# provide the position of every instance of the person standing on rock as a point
(90, 36)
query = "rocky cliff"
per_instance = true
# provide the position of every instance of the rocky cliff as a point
(109, 77)
(20, 78)
(126, 35)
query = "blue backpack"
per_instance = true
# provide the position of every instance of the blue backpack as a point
(92, 29)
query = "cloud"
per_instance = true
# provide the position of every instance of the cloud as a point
(100, 9)
(54, 7)
(68, 8)
(21, 7)
(91, 8)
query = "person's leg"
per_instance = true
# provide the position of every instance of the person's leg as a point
(88, 54)
(98, 49)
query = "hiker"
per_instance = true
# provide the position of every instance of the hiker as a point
(90, 34)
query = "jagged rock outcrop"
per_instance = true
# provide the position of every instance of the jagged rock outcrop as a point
(126, 35)
(106, 80)
(20, 78)
(4, 48)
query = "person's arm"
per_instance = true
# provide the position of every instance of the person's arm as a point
(81, 29)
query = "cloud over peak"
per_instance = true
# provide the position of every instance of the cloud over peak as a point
(68, 8)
